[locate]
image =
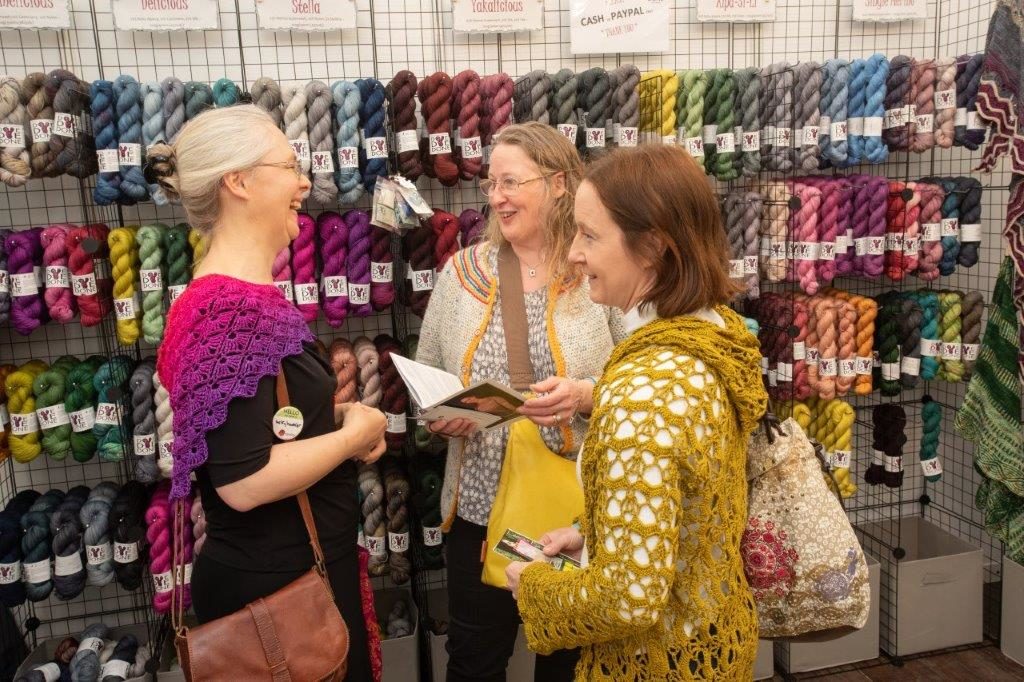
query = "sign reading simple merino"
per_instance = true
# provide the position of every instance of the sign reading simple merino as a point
(604, 26)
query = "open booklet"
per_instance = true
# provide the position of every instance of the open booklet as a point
(441, 395)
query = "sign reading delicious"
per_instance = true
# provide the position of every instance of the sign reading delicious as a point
(497, 16)
(602, 26)
(34, 14)
(165, 15)
(306, 15)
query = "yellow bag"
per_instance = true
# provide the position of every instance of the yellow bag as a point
(538, 491)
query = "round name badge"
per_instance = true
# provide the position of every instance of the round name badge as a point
(287, 423)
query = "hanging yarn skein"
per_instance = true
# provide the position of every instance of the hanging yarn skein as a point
(748, 129)
(532, 98)
(945, 102)
(722, 154)
(807, 126)
(333, 239)
(969, 131)
(371, 490)
(401, 95)
(104, 121)
(972, 308)
(382, 287)
(50, 388)
(150, 242)
(80, 405)
(174, 108)
(436, 148)
(357, 262)
(128, 109)
(394, 399)
(804, 229)
(446, 237)
(158, 536)
(495, 111)
(225, 93)
(468, 147)
(198, 98)
(36, 545)
(111, 381)
(347, 102)
(177, 262)
(304, 268)
(626, 105)
(91, 282)
(60, 303)
(835, 103)
(321, 141)
(96, 534)
(146, 469)
(15, 157)
(153, 129)
(23, 438)
(396, 491)
(39, 117)
(898, 84)
(775, 230)
(418, 251)
(124, 257)
(72, 149)
(950, 226)
(12, 591)
(296, 127)
(24, 254)
(5, 291)
(369, 383)
(923, 94)
(910, 318)
(595, 98)
(930, 219)
(858, 99)
(128, 524)
(876, 68)
(930, 341)
(66, 531)
(693, 86)
(374, 152)
(471, 226)
(931, 430)
(346, 370)
(266, 94)
(950, 328)
(970, 192)
(777, 117)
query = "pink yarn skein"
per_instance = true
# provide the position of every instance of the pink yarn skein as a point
(803, 224)
(282, 273)
(932, 197)
(304, 268)
(382, 284)
(185, 589)
(198, 524)
(59, 299)
(357, 262)
(876, 198)
(333, 234)
(158, 534)
(828, 225)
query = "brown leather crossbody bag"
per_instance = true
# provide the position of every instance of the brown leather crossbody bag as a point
(296, 633)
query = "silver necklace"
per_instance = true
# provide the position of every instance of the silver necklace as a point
(531, 270)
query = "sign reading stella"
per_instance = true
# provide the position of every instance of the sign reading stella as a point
(306, 15)
(604, 26)
(497, 16)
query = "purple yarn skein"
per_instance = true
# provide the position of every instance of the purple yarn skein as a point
(333, 234)
(471, 226)
(357, 262)
(24, 253)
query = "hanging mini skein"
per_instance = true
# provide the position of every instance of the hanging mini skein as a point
(225, 93)
(418, 251)
(969, 189)
(124, 257)
(401, 96)
(150, 242)
(15, 158)
(357, 262)
(835, 102)
(396, 490)
(972, 308)
(144, 443)
(304, 268)
(877, 71)
(595, 98)
(970, 131)
(922, 121)
(807, 124)
(748, 129)
(446, 237)
(266, 94)
(435, 94)
(896, 129)
(382, 287)
(333, 240)
(177, 261)
(467, 148)
(12, 591)
(76, 155)
(104, 121)
(347, 102)
(858, 101)
(693, 85)
(198, 98)
(563, 115)
(910, 318)
(945, 102)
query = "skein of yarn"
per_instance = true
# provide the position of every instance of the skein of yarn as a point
(266, 94)
(128, 532)
(418, 251)
(969, 131)
(347, 103)
(15, 158)
(626, 104)
(39, 116)
(970, 192)
(396, 490)
(950, 226)
(931, 430)
(923, 77)
(333, 234)
(690, 106)
(401, 95)
(296, 123)
(158, 535)
(748, 129)
(471, 226)
(382, 287)
(563, 114)
(876, 68)
(173, 107)
(346, 370)
(164, 427)
(304, 268)
(835, 103)
(887, 341)
(496, 93)
(124, 258)
(357, 262)
(281, 271)
(930, 219)
(468, 148)
(60, 303)
(66, 529)
(945, 102)
(807, 93)
(92, 286)
(950, 328)
(225, 93)
(371, 492)
(369, 382)
(595, 98)
(777, 117)
(973, 306)
(446, 237)
(23, 439)
(85, 664)
(152, 95)
(930, 343)
(128, 109)
(146, 468)
(910, 317)
(111, 382)
(150, 242)
(95, 518)
(50, 388)
(399, 624)
(57, 669)
(36, 547)
(12, 589)
(434, 94)
(531, 98)
(394, 399)
(72, 148)
(24, 255)
(896, 129)
(858, 98)
(428, 480)
(198, 98)
(319, 99)
(373, 154)
(177, 263)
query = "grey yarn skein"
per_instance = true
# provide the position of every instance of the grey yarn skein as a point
(144, 418)
(808, 94)
(295, 119)
(85, 665)
(972, 307)
(778, 113)
(36, 543)
(321, 124)
(753, 208)
(734, 210)
(15, 162)
(835, 107)
(372, 491)
(748, 88)
(153, 128)
(266, 94)
(398, 623)
(66, 528)
(563, 98)
(626, 96)
(125, 651)
(367, 359)
(95, 517)
(347, 101)
(174, 108)
(531, 95)
(396, 488)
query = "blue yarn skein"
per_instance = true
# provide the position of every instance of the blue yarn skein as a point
(13, 593)
(929, 302)
(877, 68)
(111, 382)
(128, 107)
(153, 128)
(85, 665)
(225, 93)
(104, 124)
(835, 105)
(35, 543)
(858, 102)
(347, 104)
(950, 210)
(371, 117)
(95, 518)
(66, 530)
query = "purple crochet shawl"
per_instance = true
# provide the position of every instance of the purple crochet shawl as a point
(223, 336)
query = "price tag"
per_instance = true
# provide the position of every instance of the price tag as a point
(472, 148)
(695, 147)
(863, 365)
(93, 643)
(52, 416)
(950, 227)
(432, 536)
(799, 351)
(970, 351)
(750, 265)
(124, 308)
(381, 273)
(129, 154)
(736, 268)
(891, 371)
(974, 121)
(876, 246)
(67, 565)
(925, 123)
(405, 140)
(398, 542)
(82, 420)
(11, 573)
(24, 284)
(144, 445)
(108, 161)
(970, 232)
(37, 572)
(725, 143)
(751, 140)
(96, 555)
(440, 143)
(828, 367)
(841, 459)
(848, 367)
(931, 232)
(945, 99)
(84, 285)
(422, 280)
(114, 668)
(376, 545)
(872, 126)
(810, 135)
(322, 163)
(396, 422)
(931, 467)
(22, 424)
(335, 286)
(960, 118)
(42, 129)
(595, 138)
(358, 294)
(951, 351)
(126, 552)
(12, 135)
(710, 132)
(838, 131)
(301, 149)
(162, 582)
(306, 294)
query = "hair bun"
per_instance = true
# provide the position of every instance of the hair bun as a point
(161, 168)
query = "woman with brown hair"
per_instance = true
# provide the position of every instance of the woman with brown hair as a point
(533, 176)
(662, 594)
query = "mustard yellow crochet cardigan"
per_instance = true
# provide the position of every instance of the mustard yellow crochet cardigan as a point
(664, 596)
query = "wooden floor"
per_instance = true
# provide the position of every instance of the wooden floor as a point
(982, 664)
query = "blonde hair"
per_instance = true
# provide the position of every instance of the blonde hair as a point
(215, 143)
(553, 153)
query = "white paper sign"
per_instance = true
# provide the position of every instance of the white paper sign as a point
(497, 16)
(606, 26)
(306, 15)
(165, 15)
(736, 11)
(889, 10)
(35, 14)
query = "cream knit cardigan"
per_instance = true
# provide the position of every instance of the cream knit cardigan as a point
(581, 335)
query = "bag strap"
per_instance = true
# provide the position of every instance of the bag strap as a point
(513, 319)
(268, 638)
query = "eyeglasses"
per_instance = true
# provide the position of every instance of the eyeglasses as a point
(508, 186)
(293, 166)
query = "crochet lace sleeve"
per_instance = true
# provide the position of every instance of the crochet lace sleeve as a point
(636, 461)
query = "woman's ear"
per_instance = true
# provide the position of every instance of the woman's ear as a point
(558, 184)
(238, 184)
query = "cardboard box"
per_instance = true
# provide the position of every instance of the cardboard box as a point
(43, 653)
(764, 666)
(401, 655)
(936, 589)
(861, 645)
(1011, 638)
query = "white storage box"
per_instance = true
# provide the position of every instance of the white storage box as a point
(401, 655)
(1012, 629)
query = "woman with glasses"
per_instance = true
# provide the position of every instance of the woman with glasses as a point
(228, 337)
(534, 173)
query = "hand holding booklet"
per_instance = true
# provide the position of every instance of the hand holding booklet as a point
(441, 395)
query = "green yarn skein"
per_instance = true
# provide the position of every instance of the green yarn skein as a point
(694, 86)
(150, 239)
(724, 166)
(931, 418)
(49, 388)
(111, 382)
(177, 255)
(80, 394)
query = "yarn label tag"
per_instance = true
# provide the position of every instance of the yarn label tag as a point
(5, 281)
(910, 366)
(751, 140)
(863, 365)
(931, 232)
(67, 565)
(951, 351)
(826, 251)
(11, 573)
(893, 465)
(114, 668)
(183, 575)
(124, 308)
(398, 542)
(382, 273)
(736, 268)
(568, 131)
(828, 367)
(784, 372)
(695, 146)
(24, 424)
(843, 243)
(396, 422)
(945, 99)
(838, 131)
(82, 420)
(970, 353)
(840, 459)
(970, 232)
(764, 365)
(335, 286)
(855, 126)
(440, 143)
(931, 348)
(37, 572)
(894, 241)
(162, 582)
(129, 154)
(94, 643)
(24, 284)
(876, 246)
(750, 265)
(811, 135)
(285, 286)
(848, 367)
(950, 227)
(126, 552)
(301, 149)
(108, 414)
(431, 536)
(42, 129)
(376, 545)
(358, 294)
(107, 161)
(151, 280)
(931, 467)
(891, 371)
(628, 136)
(348, 157)
(83, 285)
(144, 445)
(5, 418)
(799, 351)
(98, 554)
(813, 355)
(58, 277)
(323, 163)
(50, 672)
(773, 377)
(306, 294)
(974, 121)
(595, 138)
(710, 132)
(960, 118)
(925, 123)
(52, 416)
(63, 124)
(12, 135)
(783, 137)
(406, 140)
(894, 118)
(472, 148)
(872, 126)
(287, 423)
(725, 143)
(911, 245)
(422, 280)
